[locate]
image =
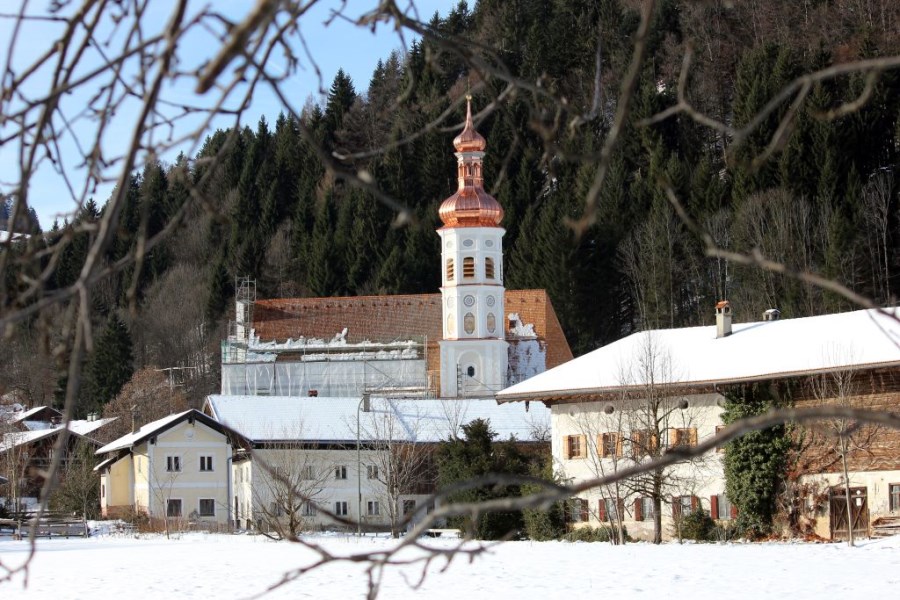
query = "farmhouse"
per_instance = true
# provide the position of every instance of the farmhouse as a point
(177, 467)
(657, 390)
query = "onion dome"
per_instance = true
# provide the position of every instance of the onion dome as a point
(468, 139)
(470, 206)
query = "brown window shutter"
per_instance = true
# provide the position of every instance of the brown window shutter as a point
(601, 510)
(584, 510)
(714, 507)
(600, 446)
(733, 511)
(567, 449)
(638, 509)
(676, 507)
(582, 446)
(618, 444)
(620, 507)
(693, 437)
(672, 435)
(695, 501)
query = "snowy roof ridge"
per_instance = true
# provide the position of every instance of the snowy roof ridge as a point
(269, 419)
(693, 356)
(144, 431)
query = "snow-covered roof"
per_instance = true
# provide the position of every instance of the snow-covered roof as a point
(25, 416)
(79, 428)
(333, 420)
(693, 356)
(129, 439)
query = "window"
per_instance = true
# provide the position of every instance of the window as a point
(491, 323)
(340, 509)
(643, 509)
(340, 472)
(469, 323)
(207, 507)
(371, 471)
(610, 445)
(450, 269)
(684, 437)
(574, 446)
(489, 268)
(307, 472)
(609, 509)
(409, 507)
(644, 443)
(173, 507)
(308, 509)
(275, 510)
(683, 506)
(103, 491)
(720, 507)
(206, 463)
(173, 464)
(468, 267)
(894, 491)
(372, 508)
(578, 510)
(718, 429)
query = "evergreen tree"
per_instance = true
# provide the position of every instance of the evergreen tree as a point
(111, 364)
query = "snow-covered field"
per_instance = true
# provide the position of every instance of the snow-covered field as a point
(226, 566)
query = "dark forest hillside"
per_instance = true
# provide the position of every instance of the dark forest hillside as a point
(825, 201)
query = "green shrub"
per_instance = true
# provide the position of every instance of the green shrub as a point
(697, 526)
(592, 534)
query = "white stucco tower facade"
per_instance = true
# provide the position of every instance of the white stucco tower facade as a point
(474, 348)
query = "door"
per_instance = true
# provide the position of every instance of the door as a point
(859, 513)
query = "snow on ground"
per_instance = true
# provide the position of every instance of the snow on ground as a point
(233, 566)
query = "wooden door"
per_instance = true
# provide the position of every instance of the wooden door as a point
(859, 513)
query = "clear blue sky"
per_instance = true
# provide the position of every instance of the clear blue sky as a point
(336, 45)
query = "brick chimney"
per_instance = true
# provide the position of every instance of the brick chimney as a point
(723, 319)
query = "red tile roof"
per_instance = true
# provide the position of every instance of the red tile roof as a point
(387, 318)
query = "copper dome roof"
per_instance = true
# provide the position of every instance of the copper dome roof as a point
(470, 206)
(468, 139)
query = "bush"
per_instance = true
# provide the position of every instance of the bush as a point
(698, 526)
(591, 534)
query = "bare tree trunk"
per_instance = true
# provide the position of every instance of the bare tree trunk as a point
(847, 490)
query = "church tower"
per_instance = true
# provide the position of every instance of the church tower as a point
(473, 348)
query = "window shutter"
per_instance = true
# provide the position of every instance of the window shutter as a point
(601, 514)
(639, 509)
(584, 510)
(693, 437)
(733, 511)
(676, 507)
(620, 508)
(582, 446)
(618, 444)
(600, 446)
(566, 448)
(672, 435)
(714, 507)
(695, 501)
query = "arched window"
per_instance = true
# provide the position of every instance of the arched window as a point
(491, 323)
(468, 267)
(450, 272)
(469, 323)
(489, 268)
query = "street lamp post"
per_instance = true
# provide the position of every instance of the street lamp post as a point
(363, 405)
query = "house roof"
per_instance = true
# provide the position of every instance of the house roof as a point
(79, 428)
(153, 428)
(693, 356)
(333, 420)
(32, 412)
(388, 318)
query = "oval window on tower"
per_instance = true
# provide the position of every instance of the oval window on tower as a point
(451, 326)
(491, 322)
(469, 323)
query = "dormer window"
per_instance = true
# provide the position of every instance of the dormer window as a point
(468, 267)
(489, 268)
(450, 270)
